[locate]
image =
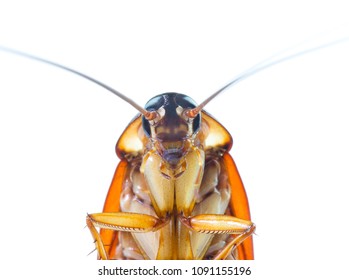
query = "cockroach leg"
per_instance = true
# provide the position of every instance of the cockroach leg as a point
(221, 224)
(217, 224)
(98, 241)
(121, 221)
(232, 245)
(129, 222)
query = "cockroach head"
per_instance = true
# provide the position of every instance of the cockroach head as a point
(171, 122)
(172, 125)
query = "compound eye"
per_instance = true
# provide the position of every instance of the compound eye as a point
(184, 105)
(185, 101)
(146, 127)
(197, 123)
(153, 104)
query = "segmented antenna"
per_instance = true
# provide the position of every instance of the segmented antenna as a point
(273, 60)
(147, 114)
(150, 115)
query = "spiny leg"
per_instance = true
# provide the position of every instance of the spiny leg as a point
(221, 224)
(233, 244)
(121, 221)
(98, 241)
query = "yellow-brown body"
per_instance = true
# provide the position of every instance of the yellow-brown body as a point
(175, 210)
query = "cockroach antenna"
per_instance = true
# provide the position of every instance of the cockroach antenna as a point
(271, 61)
(192, 113)
(147, 114)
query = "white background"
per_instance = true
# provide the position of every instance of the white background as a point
(58, 131)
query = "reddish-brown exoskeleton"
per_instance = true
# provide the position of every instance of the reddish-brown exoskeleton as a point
(176, 193)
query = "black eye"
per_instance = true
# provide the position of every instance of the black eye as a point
(146, 126)
(152, 105)
(197, 123)
(170, 102)
(155, 103)
(186, 102)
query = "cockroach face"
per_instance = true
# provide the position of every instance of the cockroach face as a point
(172, 131)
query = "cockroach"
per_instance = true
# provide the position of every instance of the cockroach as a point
(176, 192)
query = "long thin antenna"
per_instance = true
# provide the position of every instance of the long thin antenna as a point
(259, 67)
(147, 114)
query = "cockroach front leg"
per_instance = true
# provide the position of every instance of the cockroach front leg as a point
(221, 224)
(121, 221)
